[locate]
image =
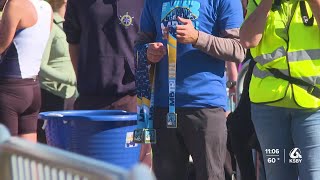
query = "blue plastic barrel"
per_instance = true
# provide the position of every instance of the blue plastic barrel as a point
(106, 135)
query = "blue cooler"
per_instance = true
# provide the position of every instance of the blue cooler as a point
(106, 135)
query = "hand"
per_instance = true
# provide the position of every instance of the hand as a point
(146, 155)
(156, 51)
(186, 33)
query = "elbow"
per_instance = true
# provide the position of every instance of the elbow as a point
(248, 44)
(240, 57)
(248, 41)
(239, 53)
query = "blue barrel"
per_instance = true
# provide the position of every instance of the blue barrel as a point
(106, 135)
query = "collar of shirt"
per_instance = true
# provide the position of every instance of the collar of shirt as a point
(57, 18)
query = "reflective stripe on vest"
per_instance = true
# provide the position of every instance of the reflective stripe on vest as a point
(313, 54)
(297, 56)
(267, 58)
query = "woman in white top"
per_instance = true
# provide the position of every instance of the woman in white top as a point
(24, 32)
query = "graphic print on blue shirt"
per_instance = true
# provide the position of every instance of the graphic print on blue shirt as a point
(200, 80)
(184, 9)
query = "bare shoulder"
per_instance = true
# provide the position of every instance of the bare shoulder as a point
(16, 4)
(18, 7)
(12, 10)
(26, 10)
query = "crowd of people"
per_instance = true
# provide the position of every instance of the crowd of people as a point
(69, 54)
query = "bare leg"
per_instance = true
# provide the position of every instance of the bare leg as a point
(146, 154)
(30, 137)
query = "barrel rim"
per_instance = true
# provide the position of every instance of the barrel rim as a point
(89, 115)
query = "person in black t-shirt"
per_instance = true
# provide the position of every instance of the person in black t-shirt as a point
(100, 36)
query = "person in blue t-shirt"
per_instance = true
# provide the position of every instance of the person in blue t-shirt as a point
(207, 33)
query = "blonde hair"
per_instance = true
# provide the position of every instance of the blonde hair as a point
(56, 4)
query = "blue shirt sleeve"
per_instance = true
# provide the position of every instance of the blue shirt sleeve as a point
(147, 23)
(230, 14)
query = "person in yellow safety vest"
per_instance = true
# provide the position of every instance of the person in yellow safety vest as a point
(284, 40)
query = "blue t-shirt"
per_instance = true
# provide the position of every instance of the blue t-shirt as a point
(200, 77)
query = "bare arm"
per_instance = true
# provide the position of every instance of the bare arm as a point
(315, 7)
(74, 50)
(232, 71)
(253, 27)
(9, 23)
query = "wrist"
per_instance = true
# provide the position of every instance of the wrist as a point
(196, 36)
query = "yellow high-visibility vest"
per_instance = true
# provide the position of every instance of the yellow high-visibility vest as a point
(298, 57)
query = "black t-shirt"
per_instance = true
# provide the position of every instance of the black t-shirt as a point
(105, 30)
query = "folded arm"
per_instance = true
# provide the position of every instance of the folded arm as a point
(253, 27)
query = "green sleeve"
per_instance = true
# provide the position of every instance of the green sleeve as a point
(46, 54)
(48, 72)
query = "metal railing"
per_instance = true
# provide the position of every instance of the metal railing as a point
(22, 160)
(240, 80)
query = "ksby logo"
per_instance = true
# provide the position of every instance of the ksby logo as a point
(295, 156)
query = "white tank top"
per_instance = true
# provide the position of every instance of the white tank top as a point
(23, 57)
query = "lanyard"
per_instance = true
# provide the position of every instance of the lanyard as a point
(304, 15)
(145, 99)
(141, 111)
(152, 73)
(172, 66)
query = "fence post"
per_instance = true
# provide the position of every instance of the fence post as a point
(4, 134)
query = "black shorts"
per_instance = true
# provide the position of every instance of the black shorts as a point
(20, 102)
